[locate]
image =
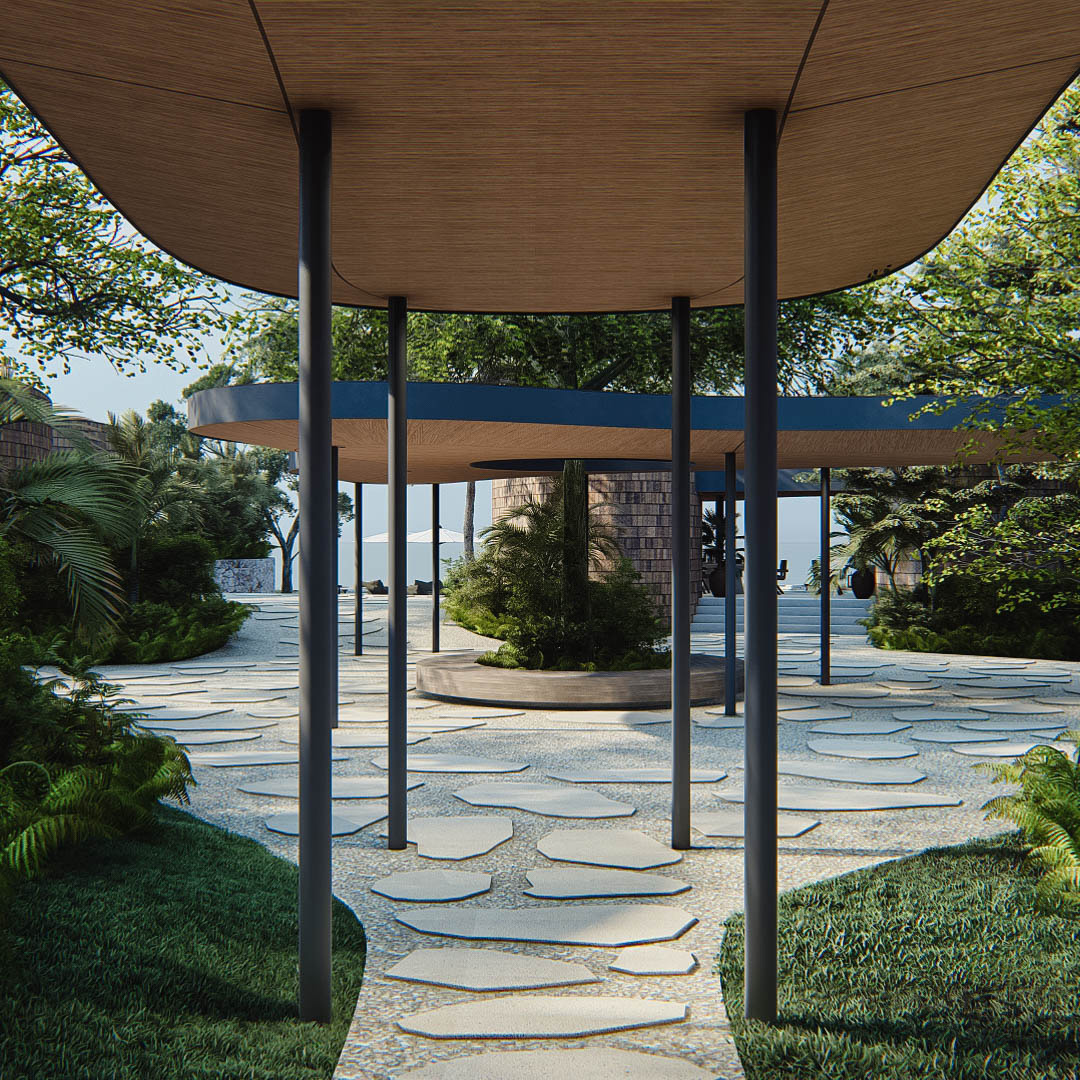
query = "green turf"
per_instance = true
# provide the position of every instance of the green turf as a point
(933, 966)
(165, 957)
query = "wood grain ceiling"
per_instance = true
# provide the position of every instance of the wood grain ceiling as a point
(555, 156)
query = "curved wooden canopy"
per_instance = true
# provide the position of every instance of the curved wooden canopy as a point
(564, 155)
(453, 426)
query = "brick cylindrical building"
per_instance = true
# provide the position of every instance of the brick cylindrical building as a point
(637, 506)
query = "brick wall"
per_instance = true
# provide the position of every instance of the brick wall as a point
(638, 508)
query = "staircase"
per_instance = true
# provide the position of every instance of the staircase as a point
(797, 613)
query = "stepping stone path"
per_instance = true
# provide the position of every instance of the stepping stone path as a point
(1019, 708)
(217, 722)
(787, 681)
(183, 715)
(358, 740)
(721, 723)
(653, 960)
(612, 717)
(792, 797)
(869, 749)
(461, 837)
(853, 692)
(602, 925)
(851, 772)
(541, 1017)
(859, 727)
(342, 787)
(1032, 723)
(274, 712)
(545, 799)
(625, 849)
(210, 738)
(593, 1063)
(241, 758)
(455, 763)
(940, 713)
(643, 775)
(955, 737)
(288, 823)
(1001, 749)
(911, 684)
(729, 823)
(487, 970)
(478, 712)
(813, 713)
(564, 884)
(990, 694)
(433, 886)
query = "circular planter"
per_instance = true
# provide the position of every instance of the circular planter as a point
(458, 677)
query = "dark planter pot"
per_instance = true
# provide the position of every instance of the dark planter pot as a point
(716, 581)
(863, 583)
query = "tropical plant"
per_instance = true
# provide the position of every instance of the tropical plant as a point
(1046, 809)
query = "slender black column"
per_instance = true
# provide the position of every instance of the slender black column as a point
(434, 567)
(730, 643)
(358, 570)
(680, 572)
(396, 607)
(825, 568)
(334, 572)
(318, 617)
(759, 576)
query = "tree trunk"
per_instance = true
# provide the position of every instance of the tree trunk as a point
(286, 570)
(133, 575)
(575, 583)
(470, 511)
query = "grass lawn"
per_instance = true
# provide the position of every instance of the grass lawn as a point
(933, 966)
(167, 956)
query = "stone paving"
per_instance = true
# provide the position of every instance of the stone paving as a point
(411, 1019)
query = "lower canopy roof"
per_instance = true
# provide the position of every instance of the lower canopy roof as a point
(452, 427)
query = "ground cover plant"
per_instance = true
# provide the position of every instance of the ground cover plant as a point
(170, 955)
(935, 967)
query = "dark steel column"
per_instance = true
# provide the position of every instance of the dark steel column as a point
(759, 575)
(680, 572)
(396, 606)
(730, 643)
(825, 569)
(334, 573)
(434, 567)
(358, 570)
(318, 619)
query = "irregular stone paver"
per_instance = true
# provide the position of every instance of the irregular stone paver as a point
(990, 694)
(433, 886)
(815, 714)
(793, 797)
(175, 714)
(1019, 708)
(913, 675)
(1032, 723)
(654, 960)
(458, 837)
(729, 823)
(613, 716)
(852, 772)
(912, 684)
(794, 680)
(937, 713)
(1000, 749)
(547, 799)
(720, 723)
(274, 712)
(455, 763)
(593, 1063)
(955, 736)
(859, 727)
(870, 749)
(604, 925)
(477, 712)
(488, 970)
(216, 722)
(556, 883)
(358, 740)
(658, 774)
(243, 697)
(1069, 702)
(625, 849)
(288, 823)
(852, 692)
(210, 738)
(241, 758)
(342, 787)
(541, 1017)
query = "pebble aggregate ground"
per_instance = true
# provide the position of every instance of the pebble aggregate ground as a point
(262, 656)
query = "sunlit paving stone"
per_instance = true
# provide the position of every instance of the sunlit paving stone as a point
(288, 823)
(1031, 723)
(625, 849)
(653, 960)
(862, 748)
(210, 738)
(546, 799)
(358, 740)
(559, 883)
(179, 713)
(455, 763)
(157, 692)
(852, 772)
(982, 692)
(458, 837)
(814, 713)
(593, 1063)
(151, 709)
(1068, 701)
(243, 697)
(574, 924)
(938, 713)
(911, 684)
(659, 774)
(721, 723)
(795, 797)
(487, 970)
(1002, 749)
(477, 712)
(786, 681)
(432, 886)
(1020, 708)
(856, 692)
(273, 712)
(613, 717)
(729, 824)
(955, 736)
(208, 723)
(342, 787)
(538, 1017)
(859, 727)
(244, 758)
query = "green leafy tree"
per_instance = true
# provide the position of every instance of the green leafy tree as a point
(75, 279)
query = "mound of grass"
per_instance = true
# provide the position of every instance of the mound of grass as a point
(937, 966)
(171, 955)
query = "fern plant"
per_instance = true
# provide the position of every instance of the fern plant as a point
(1046, 809)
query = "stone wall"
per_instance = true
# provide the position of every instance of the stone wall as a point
(637, 506)
(244, 575)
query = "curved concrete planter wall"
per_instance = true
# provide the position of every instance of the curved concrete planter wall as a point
(457, 677)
